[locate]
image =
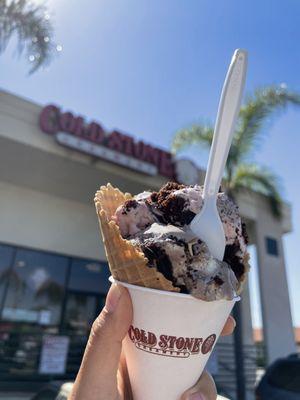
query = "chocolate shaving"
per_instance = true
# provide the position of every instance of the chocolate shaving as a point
(218, 281)
(158, 258)
(172, 207)
(128, 205)
(235, 262)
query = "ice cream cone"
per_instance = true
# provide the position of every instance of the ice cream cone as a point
(126, 262)
(172, 334)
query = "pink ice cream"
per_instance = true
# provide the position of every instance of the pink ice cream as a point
(133, 217)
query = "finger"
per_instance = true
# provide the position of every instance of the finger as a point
(229, 326)
(204, 389)
(97, 377)
(123, 380)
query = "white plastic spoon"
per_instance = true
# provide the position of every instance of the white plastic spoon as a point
(207, 224)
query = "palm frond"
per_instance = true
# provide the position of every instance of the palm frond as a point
(195, 134)
(32, 27)
(261, 180)
(253, 115)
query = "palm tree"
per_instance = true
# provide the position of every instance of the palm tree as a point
(51, 291)
(239, 173)
(31, 25)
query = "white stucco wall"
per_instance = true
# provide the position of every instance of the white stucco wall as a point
(278, 331)
(38, 220)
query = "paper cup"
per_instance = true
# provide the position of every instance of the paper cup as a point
(170, 340)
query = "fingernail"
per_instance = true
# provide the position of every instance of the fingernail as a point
(196, 396)
(112, 298)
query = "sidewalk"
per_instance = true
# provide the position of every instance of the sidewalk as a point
(15, 396)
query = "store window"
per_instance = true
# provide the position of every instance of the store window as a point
(6, 259)
(89, 276)
(272, 246)
(81, 311)
(36, 288)
(87, 286)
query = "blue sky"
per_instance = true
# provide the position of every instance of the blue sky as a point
(152, 67)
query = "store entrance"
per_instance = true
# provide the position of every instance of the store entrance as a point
(48, 303)
(81, 310)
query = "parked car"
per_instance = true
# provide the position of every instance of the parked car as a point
(281, 380)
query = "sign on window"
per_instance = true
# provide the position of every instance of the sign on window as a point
(54, 354)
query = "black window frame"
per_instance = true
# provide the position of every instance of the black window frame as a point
(272, 246)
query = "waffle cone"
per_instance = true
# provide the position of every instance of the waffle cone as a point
(127, 263)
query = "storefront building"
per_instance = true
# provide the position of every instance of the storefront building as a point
(53, 270)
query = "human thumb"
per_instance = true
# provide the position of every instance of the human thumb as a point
(97, 377)
(204, 389)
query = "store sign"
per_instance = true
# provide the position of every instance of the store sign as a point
(54, 354)
(72, 131)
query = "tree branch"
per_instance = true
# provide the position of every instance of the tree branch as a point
(260, 180)
(195, 134)
(30, 23)
(253, 115)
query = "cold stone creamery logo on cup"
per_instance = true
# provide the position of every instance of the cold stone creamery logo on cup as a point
(170, 346)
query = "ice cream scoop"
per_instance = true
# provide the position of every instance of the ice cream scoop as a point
(207, 224)
(158, 225)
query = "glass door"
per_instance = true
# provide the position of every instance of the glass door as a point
(81, 311)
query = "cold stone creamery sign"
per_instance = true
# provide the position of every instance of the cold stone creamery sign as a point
(72, 131)
(169, 345)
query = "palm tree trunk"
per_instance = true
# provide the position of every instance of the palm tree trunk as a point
(239, 353)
